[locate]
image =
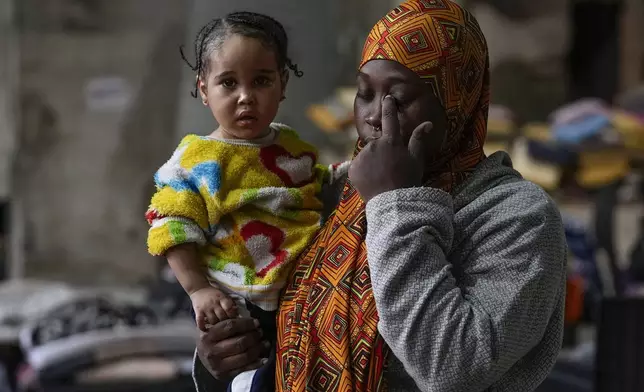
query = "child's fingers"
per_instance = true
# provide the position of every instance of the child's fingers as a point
(201, 321)
(229, 306)
(215, 315)
(232, 313)
(220, 313)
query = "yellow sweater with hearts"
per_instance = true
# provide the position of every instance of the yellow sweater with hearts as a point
(251, 206)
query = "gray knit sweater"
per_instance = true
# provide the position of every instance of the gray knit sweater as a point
(470, 287)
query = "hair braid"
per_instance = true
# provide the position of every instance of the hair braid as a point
(249, 24)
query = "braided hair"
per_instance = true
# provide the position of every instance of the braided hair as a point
(248, 24)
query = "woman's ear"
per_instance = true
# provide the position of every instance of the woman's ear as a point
(203, 89)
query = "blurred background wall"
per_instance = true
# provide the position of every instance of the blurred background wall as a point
(98, 80)
(8, 69)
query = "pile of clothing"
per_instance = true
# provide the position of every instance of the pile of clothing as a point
(592, 140)
(588, 121)
(84, 315)
(584, 284)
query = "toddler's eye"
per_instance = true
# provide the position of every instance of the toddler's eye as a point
(263, 81)
(228, 83)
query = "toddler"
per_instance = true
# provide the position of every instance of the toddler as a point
(234, 209)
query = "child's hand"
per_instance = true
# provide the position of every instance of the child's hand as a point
(211, 306)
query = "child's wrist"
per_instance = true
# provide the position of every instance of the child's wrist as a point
(193, 288)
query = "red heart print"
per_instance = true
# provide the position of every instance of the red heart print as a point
(273, 154)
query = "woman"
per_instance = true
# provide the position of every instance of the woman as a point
(458, 283)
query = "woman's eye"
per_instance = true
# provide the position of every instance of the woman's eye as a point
(366, 95)
(401, 100)
(228, 83)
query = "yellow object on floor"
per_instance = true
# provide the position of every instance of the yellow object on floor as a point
(599, 168)
(630, 128)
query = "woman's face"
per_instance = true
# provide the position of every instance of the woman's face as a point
(415, 100)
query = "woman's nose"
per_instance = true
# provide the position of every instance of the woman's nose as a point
(374, 118)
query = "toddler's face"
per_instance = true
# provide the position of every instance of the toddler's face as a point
(243, 88)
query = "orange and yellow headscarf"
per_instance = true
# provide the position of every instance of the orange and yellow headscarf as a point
(327, 321)
(443, 44)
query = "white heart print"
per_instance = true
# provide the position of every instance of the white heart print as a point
(298, 169)
(259, 247)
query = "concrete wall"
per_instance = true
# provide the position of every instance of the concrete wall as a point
(528, 43)
(84, 168)
(8, 87)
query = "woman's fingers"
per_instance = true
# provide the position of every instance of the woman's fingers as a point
(230, 345)
(229, 328)
(418, 141)
(237, 345)
(390, 125)
(230, 366)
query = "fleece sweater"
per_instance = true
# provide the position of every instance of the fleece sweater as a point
(250, 205)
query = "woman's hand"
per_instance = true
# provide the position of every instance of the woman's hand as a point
(231, 347)
(389, 163)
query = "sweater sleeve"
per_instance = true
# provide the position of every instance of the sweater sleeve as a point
(464, 335)
(178, 213)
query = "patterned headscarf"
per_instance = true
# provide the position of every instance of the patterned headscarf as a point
(443, 44)
(327, 321)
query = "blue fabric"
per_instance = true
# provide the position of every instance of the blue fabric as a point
(264, 380)
(579, 131)
(550, 152)
(583, 249)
